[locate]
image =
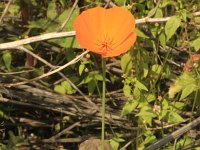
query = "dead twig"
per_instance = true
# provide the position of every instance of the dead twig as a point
(174, 135)
(5, 11)
(63, 131)
(37, 57)
(110, 3)
(47, 36)
(60, 73)
(155, 9)
(69, 16)
(17, 72)
(13, 45)
(47, 74)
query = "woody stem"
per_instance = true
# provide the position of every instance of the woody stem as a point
(103, 103)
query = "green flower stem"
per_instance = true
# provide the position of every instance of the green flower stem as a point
(195, 100)
(103, 104)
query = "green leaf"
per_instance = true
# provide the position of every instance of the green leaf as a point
(81, 68)
(98, 77)
(70, 24)
(87, 79)
(159, 13)
(119, 2)
(114, 144)
(173, 90)
(186, 82)
(59, 89)
(7, 58)
(197, 20)
(163, 114)
(162, 40)
(183, 13)
(171, 26)
(195, 44)
(165, 104)
(136, 92)
(57, 127)
(129, 107)
(37, 72)
(152, 12)
(69, 42)
(39, 23)
(115, 141)
(67, 87)
(178, 105)
(150, 138)
(174, 117)
(51, 10)
(151, 98)
(145, 67)
(126, 63)
(147, 114)
(70, 54)
(66, 119)
(140, 33)
(187, 91)
(186, 79)
(91, 87)
(156, 69)
(127, 90)
(139, 85)
(167, 2)
(14, 10)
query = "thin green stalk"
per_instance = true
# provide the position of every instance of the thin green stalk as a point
(195, 100)
(103, 103)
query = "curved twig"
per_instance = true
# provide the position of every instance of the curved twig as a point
(53, 35)
(174, 135)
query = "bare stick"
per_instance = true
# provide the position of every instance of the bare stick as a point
(47, 74)
(155, 9)
(63, 131)
(69, 16)
(36, 56)
(17, 72)
(5, 11)
(13, 45)
(174, 135)
(60, 73)
(53, 35)
(110, 3)
(5, 100)
(152, 20)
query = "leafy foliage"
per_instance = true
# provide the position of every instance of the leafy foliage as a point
(157, 92)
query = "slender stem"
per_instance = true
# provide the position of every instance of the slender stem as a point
(195, 100)
(103, 103)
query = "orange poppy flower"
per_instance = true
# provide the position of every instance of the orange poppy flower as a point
(108, 32)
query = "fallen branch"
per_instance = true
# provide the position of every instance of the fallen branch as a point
(174, 135)
(47, 36)
(46, 74)
(5, 10)
(53, 35)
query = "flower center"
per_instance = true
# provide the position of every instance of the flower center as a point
(106, 47)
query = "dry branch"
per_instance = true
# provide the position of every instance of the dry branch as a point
(5, 11)
(15, 44)
(175, 135)
(47, 74)
(53, 35)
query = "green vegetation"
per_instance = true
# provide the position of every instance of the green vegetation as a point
(152, 90)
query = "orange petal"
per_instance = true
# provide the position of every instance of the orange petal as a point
(89, 28)
(123, 47)
(119, 23)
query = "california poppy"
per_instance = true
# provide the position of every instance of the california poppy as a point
(108, 32)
